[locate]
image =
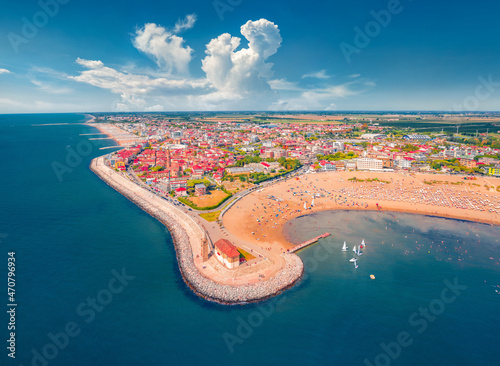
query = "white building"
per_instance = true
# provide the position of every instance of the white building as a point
(402, 163)
(329, 166)
(227, 253)
(254, 138)
(176, 134)
(416, 137)
(350, 165)
(373, 136)
(369, 164)
(338, 146)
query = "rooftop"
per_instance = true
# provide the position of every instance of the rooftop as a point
(226, 247)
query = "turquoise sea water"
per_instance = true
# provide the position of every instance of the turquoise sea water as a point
(71, 231)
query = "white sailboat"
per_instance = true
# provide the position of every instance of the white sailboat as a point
(352, 260)
(354, 249)
(355, 263)
(344, 247)
(359, 252)
(363, 243)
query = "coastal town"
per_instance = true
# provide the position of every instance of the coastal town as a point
(225, 186)
(236, 149)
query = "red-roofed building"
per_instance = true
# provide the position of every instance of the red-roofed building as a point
(181, 191)
(328, 165)
(227, 253)
(198, 171)
(218, 178)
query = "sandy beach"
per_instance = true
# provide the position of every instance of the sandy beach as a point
(120, 136)
(260, 217)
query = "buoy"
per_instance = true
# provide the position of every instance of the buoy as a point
(372, 277)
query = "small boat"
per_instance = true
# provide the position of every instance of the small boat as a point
(355, 265)
(344, 247)
(359, 252)
(354, 249)
(372, 277)
(352, 260)
(363, 243)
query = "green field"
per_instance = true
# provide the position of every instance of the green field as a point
(246, 255)
(210, 216)
(192, 182)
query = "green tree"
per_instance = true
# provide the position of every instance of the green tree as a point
(409, 148)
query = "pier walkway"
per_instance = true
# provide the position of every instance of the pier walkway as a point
(309, 242)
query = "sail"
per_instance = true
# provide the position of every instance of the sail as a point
(363, 242)
(354, 249)
(344, 248)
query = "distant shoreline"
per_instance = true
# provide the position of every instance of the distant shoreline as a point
(89, 118)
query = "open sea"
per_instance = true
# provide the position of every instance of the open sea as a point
(97, 281)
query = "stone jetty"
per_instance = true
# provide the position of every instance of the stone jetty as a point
(184, 239)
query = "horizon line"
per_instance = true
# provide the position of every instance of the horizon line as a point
(377, 111)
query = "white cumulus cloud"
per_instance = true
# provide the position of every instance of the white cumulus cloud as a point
(236, 77)
(90, 64)
(243, 73)
(134, 89)
(4, 71)
(164, 47)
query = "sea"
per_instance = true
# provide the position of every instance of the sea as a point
(97, 283)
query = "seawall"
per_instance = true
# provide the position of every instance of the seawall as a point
(185, 237)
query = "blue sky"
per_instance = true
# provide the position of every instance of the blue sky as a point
(78, 56)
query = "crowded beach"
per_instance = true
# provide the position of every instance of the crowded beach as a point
(261, 216)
